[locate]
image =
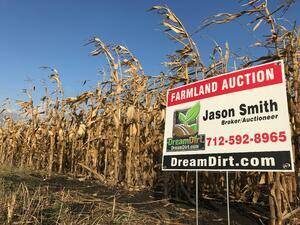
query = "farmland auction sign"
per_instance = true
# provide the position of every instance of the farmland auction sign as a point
(235, 121)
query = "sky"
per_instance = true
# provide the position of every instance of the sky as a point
(37, 33)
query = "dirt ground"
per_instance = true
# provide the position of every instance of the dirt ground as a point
(67, 200)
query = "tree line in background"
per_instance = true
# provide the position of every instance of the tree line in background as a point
(114, 132)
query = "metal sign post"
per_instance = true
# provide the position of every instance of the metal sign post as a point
(227, 197)
(227, 189)
(197, 206)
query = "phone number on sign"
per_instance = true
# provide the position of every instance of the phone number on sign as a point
(247, 139)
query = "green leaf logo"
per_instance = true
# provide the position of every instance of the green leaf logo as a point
(194, 127)
(182, 117)
(193, 113)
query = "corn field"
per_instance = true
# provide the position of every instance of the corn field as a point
(114, 132)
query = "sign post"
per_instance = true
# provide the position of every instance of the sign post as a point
(227, 198)
(238, 121)
(197, 199)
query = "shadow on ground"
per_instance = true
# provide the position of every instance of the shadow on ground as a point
(84, 196)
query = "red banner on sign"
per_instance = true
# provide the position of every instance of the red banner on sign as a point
(255, 77)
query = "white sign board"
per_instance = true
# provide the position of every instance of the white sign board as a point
(238, 121)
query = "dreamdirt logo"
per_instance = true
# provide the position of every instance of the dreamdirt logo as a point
(185, 135)
(186, 121)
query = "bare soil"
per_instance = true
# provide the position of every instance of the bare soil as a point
(71, 200)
